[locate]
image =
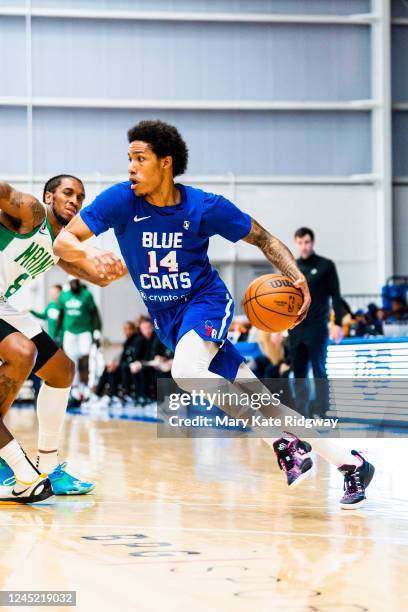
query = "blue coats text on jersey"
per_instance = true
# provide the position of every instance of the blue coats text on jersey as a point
(165, 248)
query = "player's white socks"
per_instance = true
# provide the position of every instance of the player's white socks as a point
(23, 469)
(332, 452)
(51, 408)
(47, 461)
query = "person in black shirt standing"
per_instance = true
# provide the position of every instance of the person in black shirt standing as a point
(309, 339)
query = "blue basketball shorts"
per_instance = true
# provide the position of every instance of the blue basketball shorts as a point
(209, 313)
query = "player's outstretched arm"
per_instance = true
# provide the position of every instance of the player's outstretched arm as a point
(281, 257)
(86, 270)
(86, 259)
(22, 207)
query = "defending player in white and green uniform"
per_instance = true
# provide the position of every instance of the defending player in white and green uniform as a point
(27, 231)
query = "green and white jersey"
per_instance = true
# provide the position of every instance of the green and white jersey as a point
(79, 309)
(51, 315)
(23, 257)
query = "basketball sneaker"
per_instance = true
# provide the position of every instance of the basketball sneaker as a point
(64, 484)
(293, 458)
(6, 473)
(28, 492)
(356, 479)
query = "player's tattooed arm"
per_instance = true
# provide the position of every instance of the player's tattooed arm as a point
(21, 207)
(274, 250)
(281, 257)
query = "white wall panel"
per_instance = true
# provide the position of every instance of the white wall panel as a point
(91, 141)
(343, 218)
(340, 7)
(13, 3)
(12, 57)
(13, 141)
(170, 60)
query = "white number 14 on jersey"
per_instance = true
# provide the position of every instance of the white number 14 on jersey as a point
(169, 261)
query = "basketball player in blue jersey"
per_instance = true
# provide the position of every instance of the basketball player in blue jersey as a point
(163, 230)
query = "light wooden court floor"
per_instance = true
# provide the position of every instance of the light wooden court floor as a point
(206, 525)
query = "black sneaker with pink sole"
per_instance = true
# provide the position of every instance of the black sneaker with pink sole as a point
(356, 480)
(293, 459)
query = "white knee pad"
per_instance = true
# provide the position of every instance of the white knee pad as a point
(184, 373)
(192, 359)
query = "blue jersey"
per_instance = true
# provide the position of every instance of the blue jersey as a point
(165, 248)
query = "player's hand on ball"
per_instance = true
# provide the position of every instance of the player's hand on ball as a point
(301, 284)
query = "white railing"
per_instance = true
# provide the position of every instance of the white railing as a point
(360, 301)
(189, 16)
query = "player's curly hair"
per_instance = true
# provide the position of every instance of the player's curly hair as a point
(164, 139)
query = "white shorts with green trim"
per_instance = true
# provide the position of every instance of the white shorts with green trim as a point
(24, 322)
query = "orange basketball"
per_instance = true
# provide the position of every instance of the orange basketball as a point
(272, 303)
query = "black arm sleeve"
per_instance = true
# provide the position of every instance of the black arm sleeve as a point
(334, 291)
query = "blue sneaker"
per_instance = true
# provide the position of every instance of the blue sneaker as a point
(64, 484)
(6, 474)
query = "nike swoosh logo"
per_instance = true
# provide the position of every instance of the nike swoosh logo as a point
(137, 219)
(17, 494)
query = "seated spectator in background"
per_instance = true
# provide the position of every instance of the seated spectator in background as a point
(243, 327)
(274, 361)
(360, 323)
(346, 310)
(274, 365)
(374, 323)
(346, 319)
(363, 323)
(117, 379)
(239, 329)
(399, 310)
(154, 362)
(383, 315)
